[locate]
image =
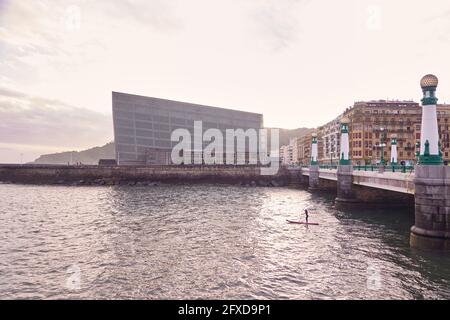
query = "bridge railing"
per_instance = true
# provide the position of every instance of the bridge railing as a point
(328, 166)
(392, 168)
(368, 167)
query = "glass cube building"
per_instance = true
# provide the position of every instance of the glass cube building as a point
(143, 126)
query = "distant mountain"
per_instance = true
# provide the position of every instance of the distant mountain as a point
(89, 156)
(92, 155)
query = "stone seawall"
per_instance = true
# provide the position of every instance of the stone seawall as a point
(95, 175)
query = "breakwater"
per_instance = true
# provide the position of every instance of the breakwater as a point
(145, 175)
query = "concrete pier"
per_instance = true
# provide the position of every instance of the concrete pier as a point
(97, 175)
(432, 208)
(313, 177)
(345, 193)
(431, 229)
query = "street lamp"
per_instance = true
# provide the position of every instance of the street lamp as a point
(417, 151)
(382, 145)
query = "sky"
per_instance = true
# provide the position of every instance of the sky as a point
(298, 62)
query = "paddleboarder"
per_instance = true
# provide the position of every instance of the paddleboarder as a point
(306, 215)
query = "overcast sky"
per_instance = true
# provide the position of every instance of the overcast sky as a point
(299, 62)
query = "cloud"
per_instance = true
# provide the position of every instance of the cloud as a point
(271, 56)
(49, 124)
(442, 15)
(42, 33)
(157, 14)
(440, 26)
(278, 21)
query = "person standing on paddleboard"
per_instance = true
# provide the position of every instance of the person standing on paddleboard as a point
(306, 215)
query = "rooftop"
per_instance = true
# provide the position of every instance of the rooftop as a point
(166, 103)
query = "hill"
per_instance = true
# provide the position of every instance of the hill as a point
(92, 155)
(89, 156)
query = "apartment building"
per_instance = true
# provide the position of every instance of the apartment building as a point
(372, 123)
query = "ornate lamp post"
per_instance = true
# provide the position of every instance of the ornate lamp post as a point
(344, 159)
(314, 150)
(429, 136)
(382, 145)
(314, 165)
(394, 150)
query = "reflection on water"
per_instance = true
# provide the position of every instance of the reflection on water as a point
(206, 241)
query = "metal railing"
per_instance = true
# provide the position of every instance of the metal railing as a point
(391, 168)
(367, 167)
(328, 166)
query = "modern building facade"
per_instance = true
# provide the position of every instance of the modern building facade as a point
(143, 126)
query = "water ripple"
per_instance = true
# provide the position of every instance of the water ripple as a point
(205, 241)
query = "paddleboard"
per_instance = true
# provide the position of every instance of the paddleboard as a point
(301, 222)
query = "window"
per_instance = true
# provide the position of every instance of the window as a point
(125, 131)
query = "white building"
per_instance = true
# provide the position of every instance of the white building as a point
(287, 153)
(330, 138)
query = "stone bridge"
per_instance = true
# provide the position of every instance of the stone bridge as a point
(426, 189)
(390, 181)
